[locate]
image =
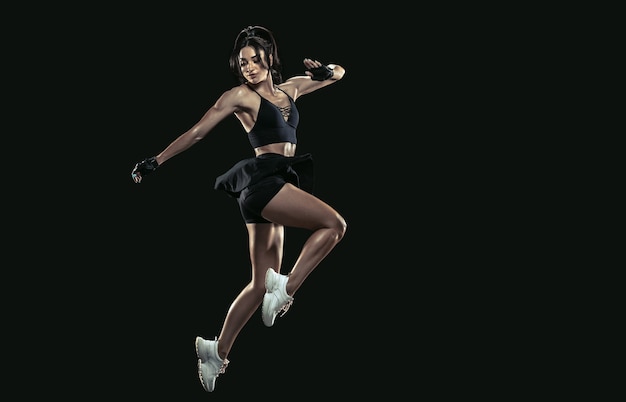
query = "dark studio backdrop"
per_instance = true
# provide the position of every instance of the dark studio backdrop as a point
(185, 246)
(142, 269)
(148, 267)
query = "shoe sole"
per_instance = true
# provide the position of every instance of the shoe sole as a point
(268, 290)
(269, 276)
(198, 340)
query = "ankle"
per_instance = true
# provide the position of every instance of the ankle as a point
(290, 287)
(221, 353)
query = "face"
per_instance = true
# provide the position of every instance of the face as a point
(252, 66)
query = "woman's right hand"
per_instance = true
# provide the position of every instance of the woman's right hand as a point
(143, 168)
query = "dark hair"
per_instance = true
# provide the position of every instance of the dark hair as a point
(259, 38)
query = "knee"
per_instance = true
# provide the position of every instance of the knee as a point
(340, 227)
(257, 288)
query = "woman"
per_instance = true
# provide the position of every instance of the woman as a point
(273, 188)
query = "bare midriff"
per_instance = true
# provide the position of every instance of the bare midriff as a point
(282, 148)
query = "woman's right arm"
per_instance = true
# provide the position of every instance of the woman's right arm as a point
(223, 107)
(226, 105)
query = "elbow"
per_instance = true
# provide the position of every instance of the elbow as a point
(196, 135)
(338, 72)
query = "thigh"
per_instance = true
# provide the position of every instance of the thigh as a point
(294, 207)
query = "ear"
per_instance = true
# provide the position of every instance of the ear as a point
(271, 60)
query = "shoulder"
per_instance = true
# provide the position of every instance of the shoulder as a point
(293, 86)
(237, 94)
(237, 97)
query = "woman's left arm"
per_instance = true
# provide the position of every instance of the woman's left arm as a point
(317, 75)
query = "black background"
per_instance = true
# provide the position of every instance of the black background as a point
(120, 277)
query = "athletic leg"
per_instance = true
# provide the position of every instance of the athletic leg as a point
(294, 207)
(266, 251)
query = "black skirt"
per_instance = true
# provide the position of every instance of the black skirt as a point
(297, 170)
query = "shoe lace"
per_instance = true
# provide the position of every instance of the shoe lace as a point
(286, 307)
(223, 368)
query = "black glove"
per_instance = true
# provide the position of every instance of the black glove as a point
(143, 168)
(321, 73)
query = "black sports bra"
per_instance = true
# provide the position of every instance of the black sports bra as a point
(270, 126)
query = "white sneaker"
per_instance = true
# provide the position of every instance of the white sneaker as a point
(210, 366)
(276, 298)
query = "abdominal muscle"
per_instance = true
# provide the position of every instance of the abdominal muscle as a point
(282, 148)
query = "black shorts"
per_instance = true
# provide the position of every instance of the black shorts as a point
(255, 181)
(255, 197)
